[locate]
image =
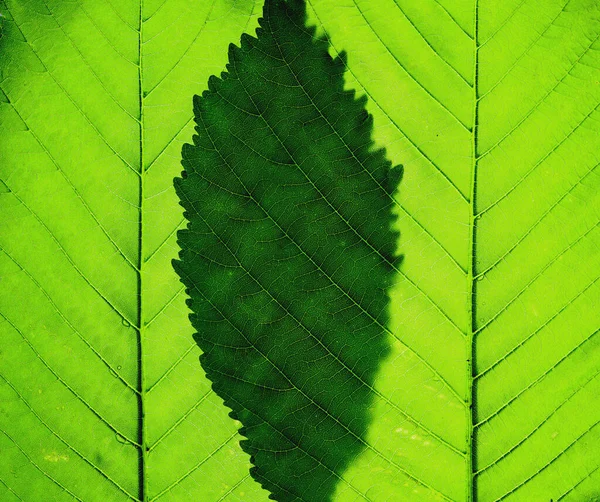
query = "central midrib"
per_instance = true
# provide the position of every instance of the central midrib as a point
(141, 380)
(471, 488)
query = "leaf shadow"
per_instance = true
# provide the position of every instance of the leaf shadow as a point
(289, 253)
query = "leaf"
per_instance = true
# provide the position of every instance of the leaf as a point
(288, 253)
(489, 389)
(97, 358)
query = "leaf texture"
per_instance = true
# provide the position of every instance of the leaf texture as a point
(289, 253)
(101, 395)
(489, 389)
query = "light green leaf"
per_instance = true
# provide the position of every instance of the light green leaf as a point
(490, 389)
(493, 108)
(97, 358)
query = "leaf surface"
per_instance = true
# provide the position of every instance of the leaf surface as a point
(101, 394)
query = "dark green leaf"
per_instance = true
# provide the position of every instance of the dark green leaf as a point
(289, 253)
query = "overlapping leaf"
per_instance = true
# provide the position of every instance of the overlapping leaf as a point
(289, 253)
